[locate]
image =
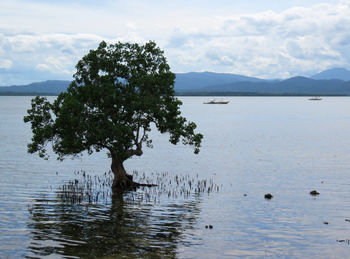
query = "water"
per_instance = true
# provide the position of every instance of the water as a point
(286, 146)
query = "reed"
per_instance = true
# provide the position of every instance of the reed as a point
(96, 189)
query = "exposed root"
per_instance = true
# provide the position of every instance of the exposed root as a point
(132, 186)
(146, 185)
(127, 184)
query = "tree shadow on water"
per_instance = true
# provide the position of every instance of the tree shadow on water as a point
(122, 227)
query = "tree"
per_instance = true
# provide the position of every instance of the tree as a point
(119, 92)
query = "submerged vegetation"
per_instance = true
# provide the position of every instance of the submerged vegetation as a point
(87, 189)
(84, 217)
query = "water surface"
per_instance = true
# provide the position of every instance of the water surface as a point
(286, 146)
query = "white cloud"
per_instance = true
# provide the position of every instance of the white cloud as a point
(5, 64)
(55, 54)
(56, 65)
(267, 44)
(270, 44)
(42, 67)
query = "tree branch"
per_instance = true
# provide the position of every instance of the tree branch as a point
(137, 152)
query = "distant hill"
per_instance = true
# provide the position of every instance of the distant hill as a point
(183, 82)
(195, 80)
(334, 73)
(295, 85)
(209, 83)
(49, 87)
(219, 83)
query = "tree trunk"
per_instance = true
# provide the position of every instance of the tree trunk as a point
(122, 180)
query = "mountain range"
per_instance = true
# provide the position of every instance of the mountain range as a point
(334, 73)
(50, 87)
(334, 81)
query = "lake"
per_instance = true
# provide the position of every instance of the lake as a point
(286, 146)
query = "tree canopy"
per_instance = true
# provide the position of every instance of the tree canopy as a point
(119, 91)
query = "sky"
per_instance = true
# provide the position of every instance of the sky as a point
(44, 39)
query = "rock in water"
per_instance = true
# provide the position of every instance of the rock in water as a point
(268, 196)
(314, 193)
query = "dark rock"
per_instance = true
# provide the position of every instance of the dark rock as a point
(268, 196)
(210, 226)
(326, 223)
(314, 193)
(348, 220)
(244, 194)
(206, 226)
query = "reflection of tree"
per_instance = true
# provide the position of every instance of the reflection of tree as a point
(123, 228)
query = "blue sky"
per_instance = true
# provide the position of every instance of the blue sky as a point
(42, 40)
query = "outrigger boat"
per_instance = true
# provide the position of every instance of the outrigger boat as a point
(216, 102)
(315, 98)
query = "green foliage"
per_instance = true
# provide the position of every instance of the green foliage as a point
(118, 92)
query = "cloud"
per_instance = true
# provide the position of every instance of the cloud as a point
(266, 44)
(55, 65)
(5, 64)
(53, 55)
(270, 44)
(42, 67)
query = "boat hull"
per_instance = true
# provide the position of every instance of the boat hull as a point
(216, 102)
